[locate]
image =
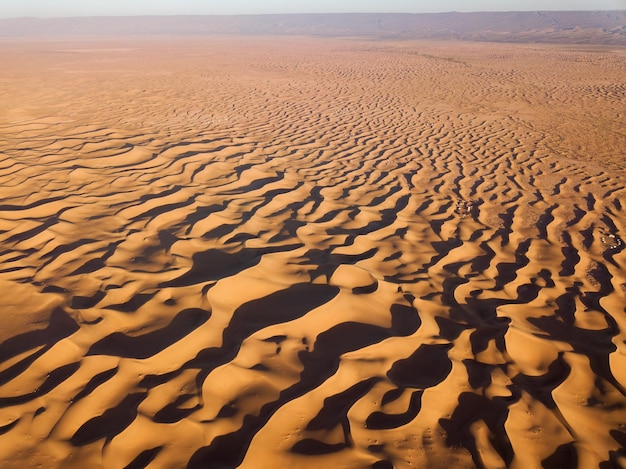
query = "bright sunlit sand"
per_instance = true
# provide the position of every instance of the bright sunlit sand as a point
(311, 252)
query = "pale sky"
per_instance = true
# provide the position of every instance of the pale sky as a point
(56, 8)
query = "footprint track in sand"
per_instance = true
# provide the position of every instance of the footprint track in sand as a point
(311, 251)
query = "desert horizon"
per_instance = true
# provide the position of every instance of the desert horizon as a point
(266, 251)
(556, 27)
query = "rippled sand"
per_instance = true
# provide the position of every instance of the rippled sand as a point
(304, 252)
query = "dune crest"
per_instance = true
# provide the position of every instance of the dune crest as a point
(295, 252)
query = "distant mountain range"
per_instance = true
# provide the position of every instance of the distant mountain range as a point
(589, 27)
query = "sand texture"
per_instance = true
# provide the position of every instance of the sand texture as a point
(285, 252)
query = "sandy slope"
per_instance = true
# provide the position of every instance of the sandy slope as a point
(295, 252)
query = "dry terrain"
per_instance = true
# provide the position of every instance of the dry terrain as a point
(291, 252)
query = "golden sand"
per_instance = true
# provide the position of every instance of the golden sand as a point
(222, 252)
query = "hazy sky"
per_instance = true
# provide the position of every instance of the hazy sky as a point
(50, 8)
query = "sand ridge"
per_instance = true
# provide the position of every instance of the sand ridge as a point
(291, 252)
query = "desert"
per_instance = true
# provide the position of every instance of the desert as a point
(291, 251)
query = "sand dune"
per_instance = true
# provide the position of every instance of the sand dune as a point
(293, 252)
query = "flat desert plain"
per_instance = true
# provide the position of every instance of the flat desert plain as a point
(266, 252)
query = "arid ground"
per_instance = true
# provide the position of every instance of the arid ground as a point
(276, 252)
